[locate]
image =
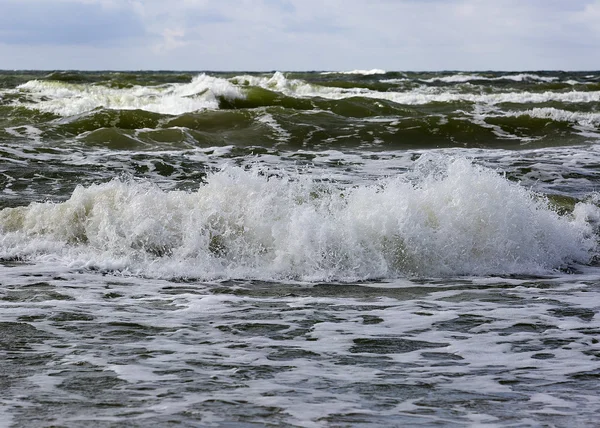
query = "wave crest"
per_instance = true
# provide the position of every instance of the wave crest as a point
(68, 99)
(447, 217)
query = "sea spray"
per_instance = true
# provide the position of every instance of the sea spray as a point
(446, 217)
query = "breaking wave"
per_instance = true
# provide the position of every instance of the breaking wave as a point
(68, 99)
(446, 217)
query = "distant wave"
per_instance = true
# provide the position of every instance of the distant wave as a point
(299, 88)
(461, 78)
(587, 119)
(361, 72)
(206, 92)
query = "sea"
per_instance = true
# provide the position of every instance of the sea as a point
(360, 248)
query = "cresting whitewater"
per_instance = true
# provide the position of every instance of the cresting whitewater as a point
(362, 248)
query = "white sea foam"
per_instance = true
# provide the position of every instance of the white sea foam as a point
(296, 87)
(418, 96)
(456, 78)
(25, 131)
(322, 357)
(447, 217)
(587, 119)
(462, 78)
(398, 80)
(67, 99)
(269, 120)
(360, 72)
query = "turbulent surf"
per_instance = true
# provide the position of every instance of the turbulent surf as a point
(364, 248)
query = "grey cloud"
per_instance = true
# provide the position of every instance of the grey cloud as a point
(284, 5)
(206, 17)
(65, 23)
(317, 27)
(305, 34)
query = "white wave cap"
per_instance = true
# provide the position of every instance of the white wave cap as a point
(419, 96)
(587, 119)
(204, 91)
(67, 99)
(462, 78)
(448, 217)
(296, 87)
(359, 72)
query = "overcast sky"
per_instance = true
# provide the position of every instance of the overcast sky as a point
(300, 34)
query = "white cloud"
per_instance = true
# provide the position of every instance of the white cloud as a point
(589, 17)
(172, 38)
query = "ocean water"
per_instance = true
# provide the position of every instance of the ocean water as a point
(359, 248)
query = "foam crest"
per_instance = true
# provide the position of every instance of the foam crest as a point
(66, 99)
(462, 78)
(423, 96)
(359, 72)
(296, 87)
(418, 96)
(447, 217)
(587, 119)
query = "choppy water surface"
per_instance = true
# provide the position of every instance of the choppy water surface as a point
(300, 249)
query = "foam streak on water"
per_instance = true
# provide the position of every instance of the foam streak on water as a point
(491, 352)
